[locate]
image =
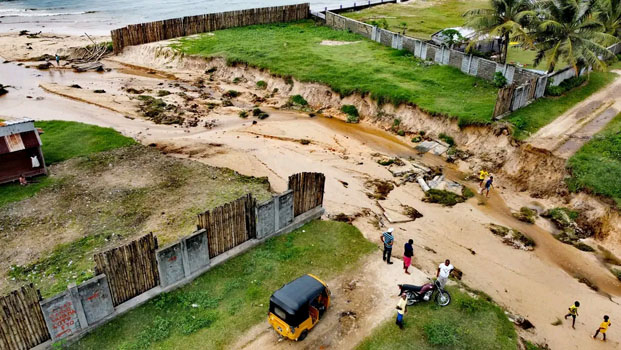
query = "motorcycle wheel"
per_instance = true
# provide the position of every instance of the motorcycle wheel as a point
(443, 298)
(410, 298)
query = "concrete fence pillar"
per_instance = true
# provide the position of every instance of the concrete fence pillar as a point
(79, 309)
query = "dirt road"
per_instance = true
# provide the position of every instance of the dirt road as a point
(567, 133)
(538, 285)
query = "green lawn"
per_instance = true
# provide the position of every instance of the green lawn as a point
(531, 118)
(467, 323)
(64, 140)
(596, 167)
(61, 141)
(423, 18)
(364, 66)
(225, 302)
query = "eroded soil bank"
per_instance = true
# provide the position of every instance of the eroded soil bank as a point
(539, 285)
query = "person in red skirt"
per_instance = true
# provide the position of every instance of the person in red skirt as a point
(407, 255)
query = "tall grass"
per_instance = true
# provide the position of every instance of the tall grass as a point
(362, 66)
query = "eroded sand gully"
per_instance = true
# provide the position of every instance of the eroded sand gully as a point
(538, 285)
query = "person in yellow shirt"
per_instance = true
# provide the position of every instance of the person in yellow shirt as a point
(402, 308)
(603, 327)
(573, 312)
(482, 176)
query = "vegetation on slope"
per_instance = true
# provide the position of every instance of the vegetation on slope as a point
(360, 66)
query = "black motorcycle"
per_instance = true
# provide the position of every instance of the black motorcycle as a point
(415, 294)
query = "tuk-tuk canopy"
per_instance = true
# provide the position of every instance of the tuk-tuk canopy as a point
(295, 296)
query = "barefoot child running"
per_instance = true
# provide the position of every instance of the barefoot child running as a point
(573, 312)
(603, 327)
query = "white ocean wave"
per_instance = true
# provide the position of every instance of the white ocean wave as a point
(37, 13)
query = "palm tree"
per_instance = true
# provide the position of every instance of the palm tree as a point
(609, 14)
(568, 31)
(506, 19)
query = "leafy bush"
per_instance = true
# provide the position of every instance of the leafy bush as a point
(445, 198)
(446, 138)
(417, 139)
(499, 80)
(467, 192)
(236, 80)
(526, 214)
(256, 112)
(231, 94)
(584, 247)
(163, 93)
(381, 23)
(386, 162)
(243, 114)
(297, 100)
(263, 115)
(519, 236)
(441, 333)
(350, 110)
(401, 132)
(566, 85)
(261, 84)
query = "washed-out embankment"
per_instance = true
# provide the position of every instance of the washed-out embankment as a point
(518, 164)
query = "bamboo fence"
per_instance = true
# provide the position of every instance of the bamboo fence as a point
(229, 225)
(307, 191)
(136, 34)
(22, 325)
(131, 269)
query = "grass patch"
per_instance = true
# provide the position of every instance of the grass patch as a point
(596, 166)
(365, 67)
(297, 100)
(468, 323)
(541, 112)
(526, 214)
(446, 138)
(422, 18)
(261, 84)
(64, 140)
(234, 296)
(61, 141)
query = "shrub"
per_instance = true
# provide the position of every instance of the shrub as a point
(526, 214)
(231, 94)
(352, 119)
(446, 138)
(256, 112)
(386, 162)
(519, 236)
(401, 132)
(584, 247)
(499, 80)
(297, 100)
(565, 86)
(163, 93)
(263, 115)
(466, 192)
(350, 110)
(445, 198)
(261, 84)
(236, 80)
(396, 122)
(243, 114)
(441, 333)
(382, 23)
(417, 139)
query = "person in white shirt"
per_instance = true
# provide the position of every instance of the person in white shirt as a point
(444, 271)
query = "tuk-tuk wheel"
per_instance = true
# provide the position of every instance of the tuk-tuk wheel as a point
(303, 335)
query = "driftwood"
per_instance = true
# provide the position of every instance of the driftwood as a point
(89, 57)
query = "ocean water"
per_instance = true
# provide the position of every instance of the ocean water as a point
(98, 17)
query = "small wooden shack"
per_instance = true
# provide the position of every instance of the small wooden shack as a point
(20, 150)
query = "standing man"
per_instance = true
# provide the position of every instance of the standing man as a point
(603, 327)
(408, 253)
(402, 308)
(444, 271)
(388, 240)
(573, 312)
(57, 60)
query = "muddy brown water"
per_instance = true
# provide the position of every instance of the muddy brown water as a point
(568, 258)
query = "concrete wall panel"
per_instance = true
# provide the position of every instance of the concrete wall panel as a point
(197, 251)
(266, 218)
(95, 298)
(285, 209)
(60, 316)
(170, 264)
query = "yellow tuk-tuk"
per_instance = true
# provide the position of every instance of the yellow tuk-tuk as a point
(297, 306)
